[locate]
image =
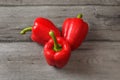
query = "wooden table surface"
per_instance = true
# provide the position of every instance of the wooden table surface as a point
(98, 58)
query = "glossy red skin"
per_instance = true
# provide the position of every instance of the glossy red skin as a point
(58, 59)
(74, 30)
(41, 29)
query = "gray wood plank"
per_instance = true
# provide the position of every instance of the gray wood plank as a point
(92, 61)
(10, 2)
(60, 2)
(71, 2)
(104, 22)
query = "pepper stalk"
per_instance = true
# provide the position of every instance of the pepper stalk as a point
(56, 46)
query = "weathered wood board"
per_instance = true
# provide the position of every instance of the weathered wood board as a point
(92, 61)
(104, 24)
(59, 2)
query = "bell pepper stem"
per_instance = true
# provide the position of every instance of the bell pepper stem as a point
(25, 30)
(79, 16)
(56, 47)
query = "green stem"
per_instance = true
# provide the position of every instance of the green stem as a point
(25, 30)
(56, 47)
(79, 16)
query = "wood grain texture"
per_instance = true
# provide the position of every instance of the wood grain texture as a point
(98, 58)
(60, 2)
(104, 22)
(92, 61)
(10, 2)
(71, 2)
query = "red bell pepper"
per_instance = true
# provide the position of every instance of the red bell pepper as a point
(74, 30)
(40, 30)
(57, 51)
